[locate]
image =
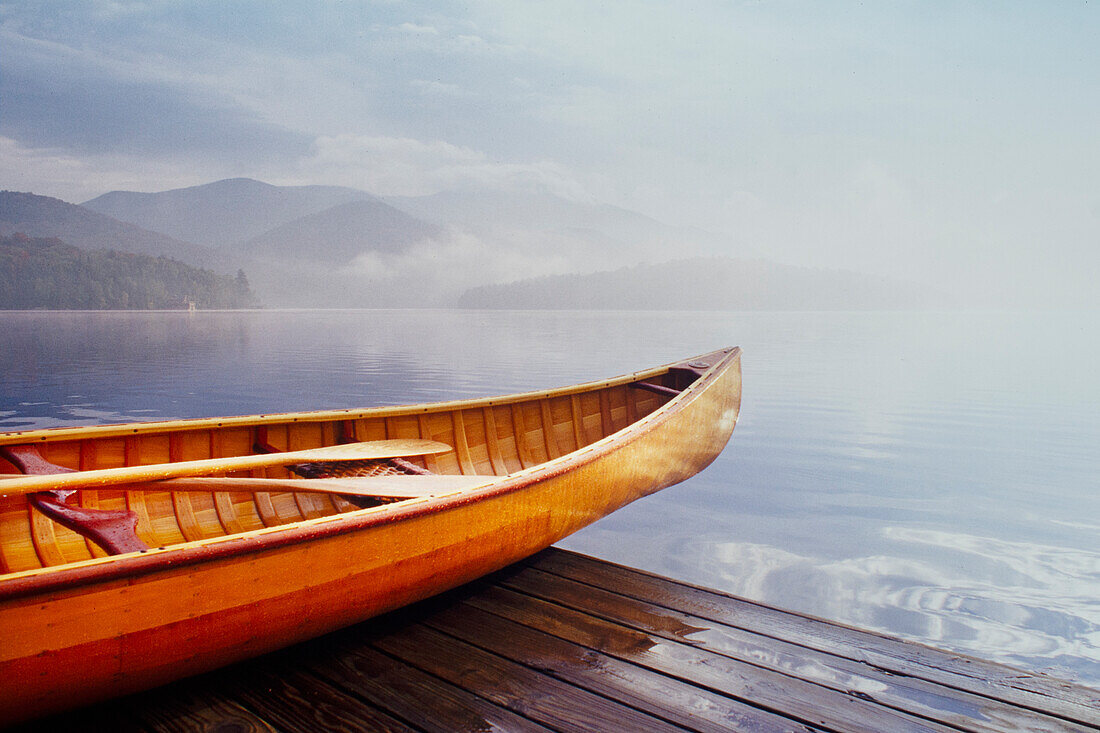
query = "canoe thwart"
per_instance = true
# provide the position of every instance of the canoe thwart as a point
(684, 376)
(657, 388)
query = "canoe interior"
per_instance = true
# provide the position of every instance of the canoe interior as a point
(490, 437)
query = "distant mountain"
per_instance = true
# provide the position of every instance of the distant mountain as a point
(705, 284)
(336, 236)
(526, 209)
(328, 246)
(610, 232)
(503, 234)
(49, 274)
(42, 216)
(222, 213)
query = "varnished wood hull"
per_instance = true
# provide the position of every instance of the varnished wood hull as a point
(76, 632)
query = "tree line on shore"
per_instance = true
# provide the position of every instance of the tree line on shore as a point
(46, 273)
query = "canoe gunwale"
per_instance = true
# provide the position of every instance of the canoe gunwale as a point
(66, 578)
(44, 435)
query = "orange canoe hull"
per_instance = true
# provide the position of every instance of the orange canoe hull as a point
(84, 631)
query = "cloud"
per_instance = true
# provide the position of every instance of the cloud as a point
(418, 29)
(438, 89)
(477, 44)
(77, 178)
(443, 36)
(937, 153)
(429, 273)
(458, 260)
(57, 96)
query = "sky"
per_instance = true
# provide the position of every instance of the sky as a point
(950, 143)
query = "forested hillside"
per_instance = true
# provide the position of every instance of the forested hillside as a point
(47, 273)
(43, 216)
(713, 283)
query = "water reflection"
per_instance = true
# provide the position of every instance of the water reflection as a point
(1031, 604)
(928, 475)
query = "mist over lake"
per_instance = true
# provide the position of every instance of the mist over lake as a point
(929, 475)
(892, 207)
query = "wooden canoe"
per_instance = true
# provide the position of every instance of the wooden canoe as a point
(233, 573)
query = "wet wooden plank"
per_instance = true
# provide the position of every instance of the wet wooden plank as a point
(566, 642)
(408, 693)
(526, 691)
(1036, 692)
(294, 700)
(658, 695)
(802, 701)
(187, 706)
(925, 699)
(191, 709)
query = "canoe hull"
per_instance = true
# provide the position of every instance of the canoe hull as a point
(234, 598)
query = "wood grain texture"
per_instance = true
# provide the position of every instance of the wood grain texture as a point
(292, 699)
(461, 446)
(138, 471)
(549, 439)
(807, 702)
(907, 694)
(492, 442)
(577, 421)
(206, 595)
(948, 670)
(398, 486)
(425, 432)
(533, 647)
(522, 447)
(518, 688)
(675, 700)
(402, 689)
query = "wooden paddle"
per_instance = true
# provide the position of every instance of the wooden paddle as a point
(395, 486)
(372, 450)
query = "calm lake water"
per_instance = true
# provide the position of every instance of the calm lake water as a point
(929, 475)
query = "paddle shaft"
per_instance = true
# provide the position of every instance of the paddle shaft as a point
(400, 486)
(394, 486)
(373, 450)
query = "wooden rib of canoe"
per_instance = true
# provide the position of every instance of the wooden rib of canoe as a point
(242, 564)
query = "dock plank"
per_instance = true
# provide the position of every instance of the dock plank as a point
(185, 707)
(293, 700)
(806, 702)
(672, 699)
(526, 691)
(564, 642)
(410, 694)
(908, 694)
(1033, 691)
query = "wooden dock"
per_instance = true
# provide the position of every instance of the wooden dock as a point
(566, 642)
